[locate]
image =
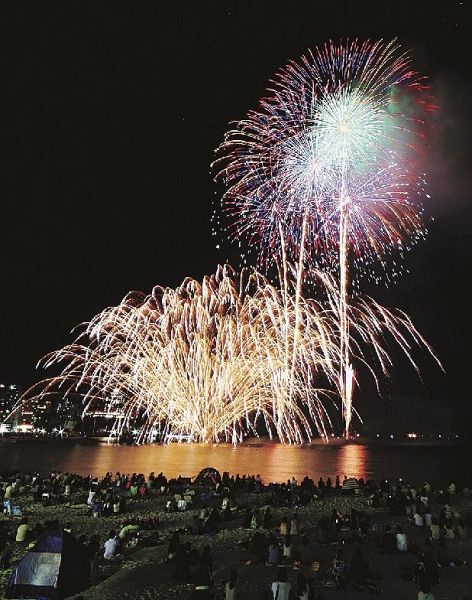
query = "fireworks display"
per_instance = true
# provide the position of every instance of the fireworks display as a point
(210, 361)
(338, 133)
(206, 360)
(324, 180)
(325, 169)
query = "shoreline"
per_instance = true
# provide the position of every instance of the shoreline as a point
(250, 443)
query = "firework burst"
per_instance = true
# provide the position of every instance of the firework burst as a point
(332, 125)
(206, 360)
(324, 170)
(214, 360)
(323, 179)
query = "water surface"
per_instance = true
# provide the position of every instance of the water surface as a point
(273, 461)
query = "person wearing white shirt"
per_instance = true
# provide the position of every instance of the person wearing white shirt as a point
(419, 521)
(402, 540)
(288, 547)
(91, 496)
(281, 588)
(111, 546)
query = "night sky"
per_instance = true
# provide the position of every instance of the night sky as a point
(110, 114)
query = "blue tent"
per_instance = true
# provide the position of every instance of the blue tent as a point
(54, 568)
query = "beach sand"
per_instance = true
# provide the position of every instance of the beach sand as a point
(145, 573)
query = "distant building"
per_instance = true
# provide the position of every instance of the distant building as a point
(9, 395)
(68, 412)
(38, 412)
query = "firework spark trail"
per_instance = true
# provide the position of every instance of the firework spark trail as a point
(328, 160)
(322, 174)
(286, 159)
(210, 360)
(205, 360)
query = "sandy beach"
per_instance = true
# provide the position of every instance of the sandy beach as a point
(144, 571)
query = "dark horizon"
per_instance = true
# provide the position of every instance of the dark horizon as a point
(109, 122)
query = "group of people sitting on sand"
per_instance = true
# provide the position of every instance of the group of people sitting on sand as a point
(418, 522)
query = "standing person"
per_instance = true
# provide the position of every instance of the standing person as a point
(281, 587)
(231, 590)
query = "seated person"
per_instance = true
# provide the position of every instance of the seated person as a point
(127, 531)
(402, 540)
(288, 548)
(274, 553)
(449, 532)
(196, 527)
(418, 519)
(23, 530)
(425, 592)
(112, 546)
(435, 530)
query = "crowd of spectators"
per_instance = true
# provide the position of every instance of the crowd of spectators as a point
(419, 522)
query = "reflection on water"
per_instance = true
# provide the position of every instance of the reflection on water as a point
(352, 460)
(272, 461)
